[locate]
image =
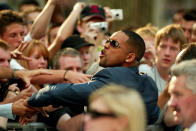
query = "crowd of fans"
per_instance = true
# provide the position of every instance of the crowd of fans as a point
(69, 71)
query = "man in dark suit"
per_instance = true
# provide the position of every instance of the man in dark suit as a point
(121, 55)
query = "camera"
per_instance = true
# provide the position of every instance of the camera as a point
(102, 26)
(117, 14)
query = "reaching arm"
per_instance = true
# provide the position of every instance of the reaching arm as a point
(69, 94)
(66, 28)
(41, 23)
(60, 76)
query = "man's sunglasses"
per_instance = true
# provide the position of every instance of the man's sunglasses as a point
(113, 43)
(95, 114)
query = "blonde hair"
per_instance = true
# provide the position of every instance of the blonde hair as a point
(123, 102)
(32, 46)
(172, 31)
(147, 31)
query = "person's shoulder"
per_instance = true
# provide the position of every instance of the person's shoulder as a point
(144, 68)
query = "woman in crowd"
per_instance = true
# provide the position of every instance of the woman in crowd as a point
(115, 108)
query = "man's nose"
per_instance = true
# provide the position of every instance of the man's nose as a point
(167, 51)
(172, 102)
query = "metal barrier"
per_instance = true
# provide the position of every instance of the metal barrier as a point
(35, 126)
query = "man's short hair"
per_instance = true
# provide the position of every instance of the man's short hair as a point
(4, 45)
(186, 68)
(8, 17)
(65, 52)
(172, 31)
(29, 2)
(190, 15)
(188, 53)
(136, 43)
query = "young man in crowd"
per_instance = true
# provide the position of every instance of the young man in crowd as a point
(80, 44)
(189, 18)
(68, 59)
(12, 30)
(168, 43)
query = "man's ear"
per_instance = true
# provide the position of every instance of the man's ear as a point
(79, 27)
(130, 57)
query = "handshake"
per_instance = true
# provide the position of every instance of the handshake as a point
(22, 109)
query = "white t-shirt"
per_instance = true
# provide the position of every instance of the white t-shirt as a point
(154, 74)
(15, 65)
(193, 127)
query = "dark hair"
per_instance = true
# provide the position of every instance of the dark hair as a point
(189, 53)
(190, 15)
(137, 44)
(8, 17)
(29, 2)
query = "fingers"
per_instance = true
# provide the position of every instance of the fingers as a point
(44, 113)
(23, 46)
(89, 76)
(26, 58)
(23, 120)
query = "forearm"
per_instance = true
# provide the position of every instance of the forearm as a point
(64, 32)
(41, 23)
(56, 76)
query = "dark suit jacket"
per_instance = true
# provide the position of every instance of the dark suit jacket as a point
(77, 94)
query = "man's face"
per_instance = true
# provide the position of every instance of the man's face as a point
(166, 53)
(13, 35)
(187, 28)
(72, 63)
(5, 58)
(183, 101)
(84, 51)
(91, 34)
(115, 56)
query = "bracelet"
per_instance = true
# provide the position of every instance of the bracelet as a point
(65, 74)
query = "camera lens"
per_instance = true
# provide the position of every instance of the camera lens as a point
(117, 15)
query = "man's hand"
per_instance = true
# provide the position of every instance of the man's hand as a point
(21, 108)
(75, 77)
(79, 6)
(18, 52)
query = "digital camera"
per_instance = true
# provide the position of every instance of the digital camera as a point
(102, 26)
(117, 14)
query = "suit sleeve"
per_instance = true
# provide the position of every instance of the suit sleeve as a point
(69, 94)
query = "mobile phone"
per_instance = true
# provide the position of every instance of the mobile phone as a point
(117, 14)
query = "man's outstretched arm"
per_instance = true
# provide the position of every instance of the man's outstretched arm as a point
(69, 94)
